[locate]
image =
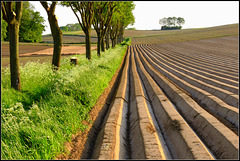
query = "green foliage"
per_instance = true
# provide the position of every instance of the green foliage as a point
(132, 28)
(127, 17)
(123, 13)
(64, 28)
(31, 25)
(127, 41)
(170, 23)
(122, 17)
(171, 27)
(74, 27)
(52, 105)
(3, 29)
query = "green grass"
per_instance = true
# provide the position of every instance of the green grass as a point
(52, 105)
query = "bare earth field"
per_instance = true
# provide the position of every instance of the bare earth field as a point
(70, 39)
(171, 100)
(39, 53)
(176, 96)
(174, 101)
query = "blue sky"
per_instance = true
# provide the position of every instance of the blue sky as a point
(197, 14)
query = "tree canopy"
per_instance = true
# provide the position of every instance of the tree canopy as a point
(71, 27)
(107, 18)
(122, 17)
(171, 23)
(31, 25)
(4, 31)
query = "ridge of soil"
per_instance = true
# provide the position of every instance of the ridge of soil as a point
(73, 149)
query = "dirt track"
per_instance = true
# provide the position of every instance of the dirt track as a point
(171, 102)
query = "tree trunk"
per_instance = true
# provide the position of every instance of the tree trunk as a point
(88, 43)
(14, 55)
(107, 40)
(99, 45)
(115, 42)
(57, 39)
(112, 43)
(118, 39)
(102, 45)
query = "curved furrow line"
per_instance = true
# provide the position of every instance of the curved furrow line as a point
(219, 139)
(194, 68)
(188, 60)
(210, 54)
(218, 50)
(226, 96)
(169, 105)
(227, 44)
(228, 73)
(194, 56)
(110, 141)
(207, 55)
(140, 115)
(223, 46)
(208, 100)
(182, 142)
(195, 75)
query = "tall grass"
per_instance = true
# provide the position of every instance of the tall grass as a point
(52, 105)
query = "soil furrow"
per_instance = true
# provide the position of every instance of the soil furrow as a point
(207, 126)
(193, 74)
(218, 53)
(153, 148)
(213, 103)
(176, 131)
(214, 79)
(206, 56)
(192, 60)
(169, 105)
(176, 76)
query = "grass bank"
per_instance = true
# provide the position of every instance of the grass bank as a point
(52, 105)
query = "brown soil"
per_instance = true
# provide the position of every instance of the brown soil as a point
(35, 50)
(152, 80)
(40, 53)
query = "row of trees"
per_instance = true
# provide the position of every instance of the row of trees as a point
(109, 19)
(171, 23)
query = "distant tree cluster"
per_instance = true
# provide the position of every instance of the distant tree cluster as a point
(71, 27)
(132, 28)
(31, 25)
(171, 23)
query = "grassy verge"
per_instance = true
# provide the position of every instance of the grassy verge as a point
(52, 105)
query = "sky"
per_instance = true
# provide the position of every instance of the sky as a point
(197, 14)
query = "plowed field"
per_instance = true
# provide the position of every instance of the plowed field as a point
(172, 101)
